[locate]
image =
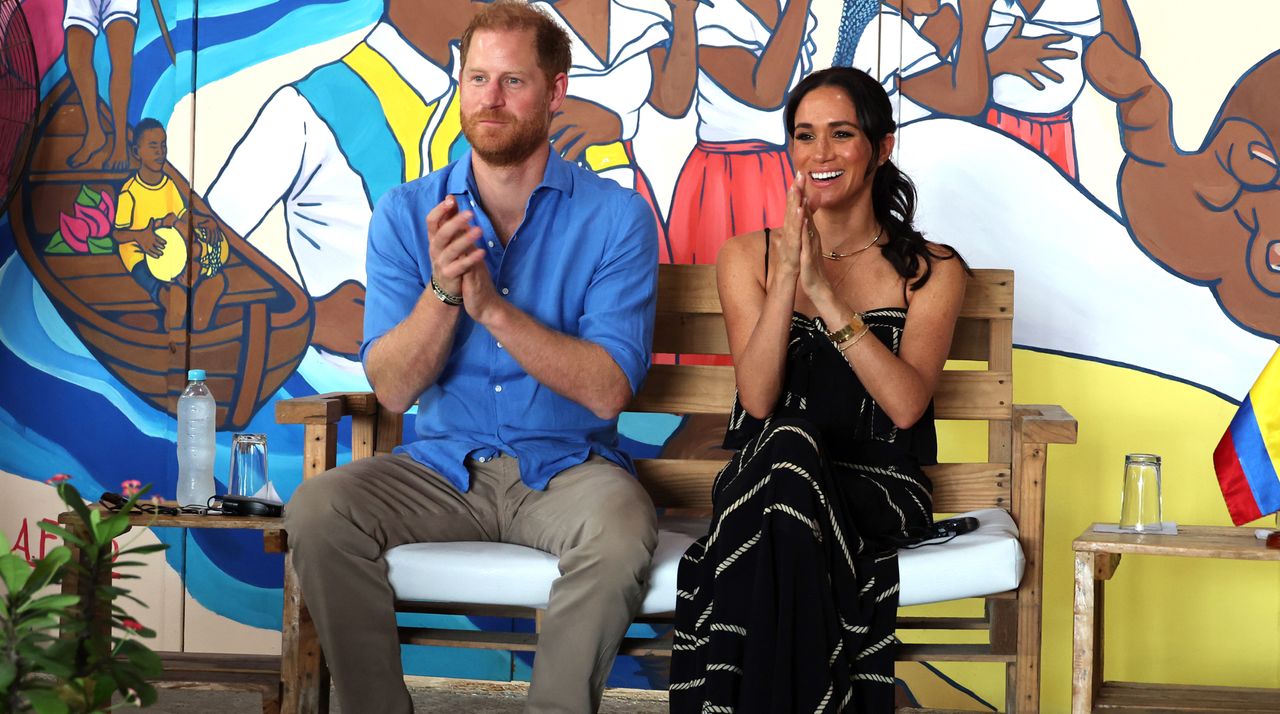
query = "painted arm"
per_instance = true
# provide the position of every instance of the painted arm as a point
(761, 81)
(675, 68)
(963, 87)
(1117, 21)
(265, 163)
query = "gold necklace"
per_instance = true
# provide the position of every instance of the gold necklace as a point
(832, 255)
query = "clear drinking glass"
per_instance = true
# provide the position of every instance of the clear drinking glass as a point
(249, 466)
(1140, 501)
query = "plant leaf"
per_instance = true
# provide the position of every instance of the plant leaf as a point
(47, 570)
(46, 701)
(7, 673)
(14, 571)
(63, 533)
(52, 602)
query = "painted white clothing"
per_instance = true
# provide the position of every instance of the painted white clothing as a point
(892, 49)
(721, 116)
(622, 81)
(289, 154)
(1083, 287)
(1081, 19)
(93, 15)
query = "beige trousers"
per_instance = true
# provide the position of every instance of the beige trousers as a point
(596, 517)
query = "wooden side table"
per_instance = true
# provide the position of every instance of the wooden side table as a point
(1097, 556)
(213, 671)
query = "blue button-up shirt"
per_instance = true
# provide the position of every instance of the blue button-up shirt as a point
(583, 262)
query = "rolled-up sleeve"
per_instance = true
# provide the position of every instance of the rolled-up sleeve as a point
(393, 280)
(622, 296)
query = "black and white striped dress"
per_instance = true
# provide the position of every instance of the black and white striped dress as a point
(789, 603)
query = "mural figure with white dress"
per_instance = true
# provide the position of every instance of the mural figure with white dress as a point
(625, 53)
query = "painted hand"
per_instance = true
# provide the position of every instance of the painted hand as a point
(1211, 215)
(1026, 57)
(339, 316)
(580, 124)
(148, 241)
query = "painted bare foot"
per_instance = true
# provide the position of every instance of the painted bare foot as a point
(89, 155)
(118, 159)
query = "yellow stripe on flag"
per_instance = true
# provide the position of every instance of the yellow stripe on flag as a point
(406, 114)
(1265, 396)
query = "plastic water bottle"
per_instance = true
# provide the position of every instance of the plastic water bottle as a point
(197, 414)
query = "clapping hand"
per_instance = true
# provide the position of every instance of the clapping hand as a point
(451, 241)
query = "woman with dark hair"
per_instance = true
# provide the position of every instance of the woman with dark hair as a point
(839, 322)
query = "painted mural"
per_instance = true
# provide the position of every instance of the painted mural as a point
(200, 188)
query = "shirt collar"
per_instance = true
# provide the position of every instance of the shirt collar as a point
(557, 175)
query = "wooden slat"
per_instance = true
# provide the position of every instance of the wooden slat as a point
(301, 659)
(1179, 698)
(949, 653)
(970, 486)
(324, 408)
(1046, 424)
(308, 410)
(1191, 542)
(971, 340)
(692, 289)
(974, 395)
(688, 288)
(390, 431)
(684, 333)
(989, 294)
(516, 641)
(364, 435)
(678, 483)
(319, 450)
(701, 389)
(1028, 513)
(943, 623)
(686, 389)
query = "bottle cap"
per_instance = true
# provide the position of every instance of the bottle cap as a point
(195, 374)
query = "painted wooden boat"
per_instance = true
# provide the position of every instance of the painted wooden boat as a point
(256, 333)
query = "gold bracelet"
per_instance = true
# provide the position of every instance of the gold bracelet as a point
(848, 330)
(854, 340)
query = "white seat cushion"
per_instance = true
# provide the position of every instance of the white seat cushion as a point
(986, 561)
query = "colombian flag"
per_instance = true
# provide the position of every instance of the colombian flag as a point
(1248, 457)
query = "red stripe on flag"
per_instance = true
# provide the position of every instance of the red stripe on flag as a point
(1235, 486)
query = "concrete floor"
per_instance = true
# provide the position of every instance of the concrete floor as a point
(429, 695)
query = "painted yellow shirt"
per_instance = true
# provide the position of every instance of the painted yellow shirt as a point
(139, 203)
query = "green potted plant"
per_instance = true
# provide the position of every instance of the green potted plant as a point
(70, 654)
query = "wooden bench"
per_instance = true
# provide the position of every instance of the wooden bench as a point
(977, 385)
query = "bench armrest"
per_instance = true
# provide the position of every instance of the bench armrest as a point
(325, 408)
(1044, 424)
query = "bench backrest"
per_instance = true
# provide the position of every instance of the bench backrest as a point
(976, 385)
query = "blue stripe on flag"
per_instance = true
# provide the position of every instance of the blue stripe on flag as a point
(1256, 462)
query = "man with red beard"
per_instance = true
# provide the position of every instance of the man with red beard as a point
(511, 295)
